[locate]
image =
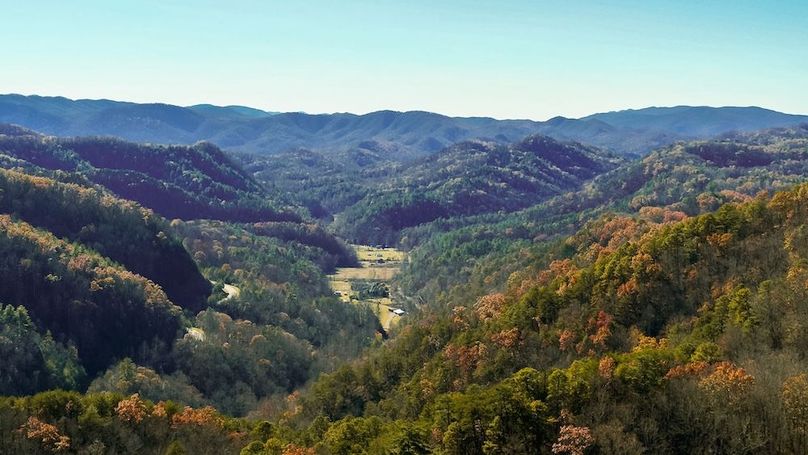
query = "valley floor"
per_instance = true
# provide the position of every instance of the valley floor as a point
(377, 265)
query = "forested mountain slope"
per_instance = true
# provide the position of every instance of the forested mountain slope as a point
(80, 286)
(82, 298)
(90, 281)
(188, 182)
(119, 230)
(324, 183)
(670, 337)
(471, 178)
(698, 121)
(196, 182)
(685, 179)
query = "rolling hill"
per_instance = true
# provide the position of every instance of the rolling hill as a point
(96, 271)
(683, 179)
(187, 182)
(324, 183)
(642, 335)
(471, 178)
(93, 280)
(698, 121)
(119, 230)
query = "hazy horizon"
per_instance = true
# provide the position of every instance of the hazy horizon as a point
(273, 111)
(511, 59)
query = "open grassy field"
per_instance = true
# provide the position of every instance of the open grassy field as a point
(342, 287)
(382, 308)
(366, 273)
(371, 254)
(377, 264)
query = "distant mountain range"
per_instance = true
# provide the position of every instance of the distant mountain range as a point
(402, 135)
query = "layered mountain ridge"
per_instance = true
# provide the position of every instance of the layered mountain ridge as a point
(404, 134)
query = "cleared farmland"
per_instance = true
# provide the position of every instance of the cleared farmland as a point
(377, 265)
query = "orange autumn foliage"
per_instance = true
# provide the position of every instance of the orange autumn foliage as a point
(459, 317)
(606, 367)
(48, 435)
(727, 383)
(506, 338)
(688, 369)
(203, 417)
(292, 449)
(131, 409)
(489, 306)
(565, 339)
(465, 358)
(573, 440)
(602, 326)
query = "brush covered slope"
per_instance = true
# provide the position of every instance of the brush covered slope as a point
(639, 336)
(471, 178)
(186, 182)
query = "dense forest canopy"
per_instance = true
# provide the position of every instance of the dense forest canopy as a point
(91, 281)
(557, 298)
(641, 335)
(471, 178)
(187, 182)
(473, 250)
(118, 229)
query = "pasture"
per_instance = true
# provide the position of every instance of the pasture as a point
(376, 265)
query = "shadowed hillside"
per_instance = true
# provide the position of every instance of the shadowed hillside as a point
(187, 182)
(471, 178)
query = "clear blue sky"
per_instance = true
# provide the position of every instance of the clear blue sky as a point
(501, 58)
